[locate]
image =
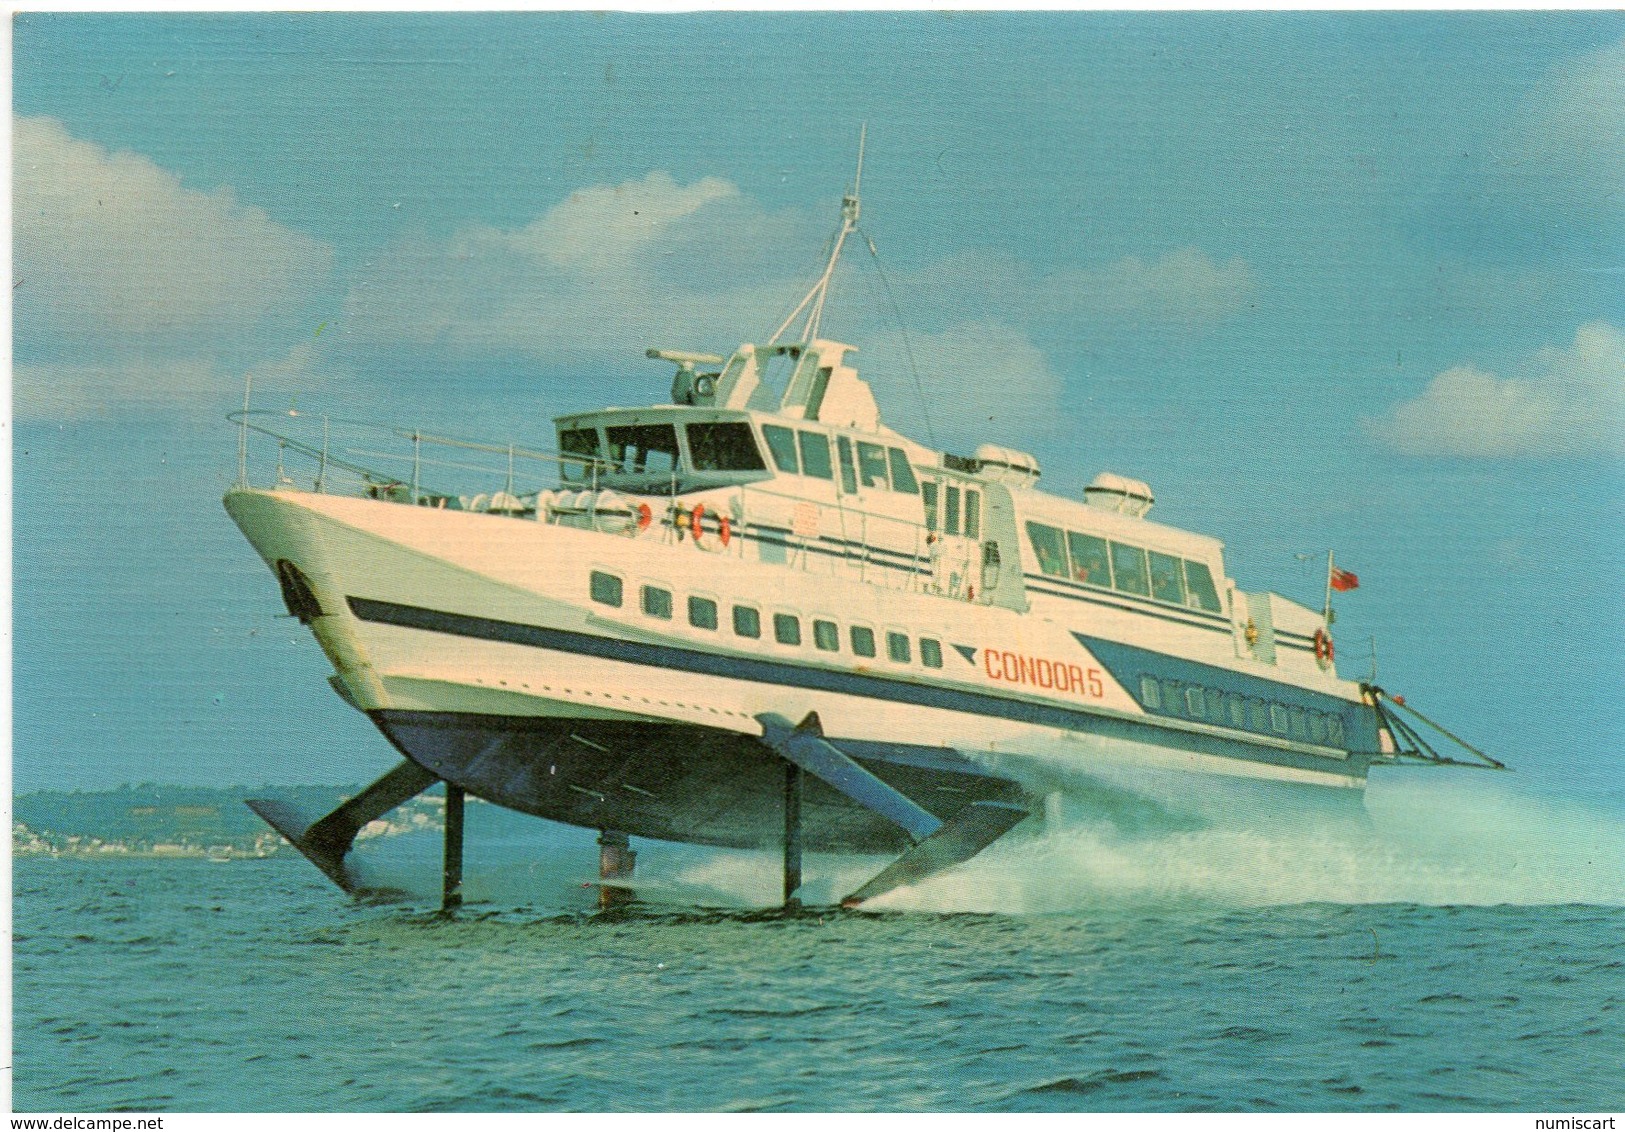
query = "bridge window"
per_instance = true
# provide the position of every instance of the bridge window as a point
(973, 514)
(1090, 561)
(849, 475)
(656, 602)
(815, 455)
(1167, 581)
(1201, 593)
(787, 628)
(747, 622)
(781, 442)
(897, 647)
(723, 446)
(930, 652)
(863, 641)
(636, 449)
(702, 613)
(1049, 548)
(902, 476)
(826, 636)
(872, 465)
(606, 589)
(582, 443)
(1128, 569)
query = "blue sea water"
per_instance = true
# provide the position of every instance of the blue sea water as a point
(1465, 957)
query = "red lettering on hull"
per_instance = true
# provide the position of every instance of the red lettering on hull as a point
(1043, 673)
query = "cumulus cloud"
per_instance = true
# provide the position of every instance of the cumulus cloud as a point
(1563, 401)
(109, 243)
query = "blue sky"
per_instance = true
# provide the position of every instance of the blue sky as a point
(1326, 280)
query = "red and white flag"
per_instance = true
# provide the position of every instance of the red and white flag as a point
(1343, 580)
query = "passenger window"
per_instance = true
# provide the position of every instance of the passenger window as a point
(787, 629)
(973, 514)
(1167, 582)
(1193, 702)
(872, 465)
(902, 476)
(849, 475)
(656, 602)
(747, 622)
(1048, 547)
(1150, 693)
(1334, 730)
(815, 455)
(781, 442)
(897, 647)
(950, 518)
(1300, 726)
(1090, 562)
(863, 641)
(1317, 727)
(826, 636)
(930, 652)
(1128, 569)
(606, 589)
(702, 613)
(928, 494)
(1171, 697)
(1215, 705)
(1278, 718)
(1238, 710)
(1257, 716)
(1200, 591)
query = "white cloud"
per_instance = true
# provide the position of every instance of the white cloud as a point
(111, 243)
(1567, 401)
(605, 226)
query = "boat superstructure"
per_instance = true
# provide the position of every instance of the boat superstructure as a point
(754, 615)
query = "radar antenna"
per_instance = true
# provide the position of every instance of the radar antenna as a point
(820, 290)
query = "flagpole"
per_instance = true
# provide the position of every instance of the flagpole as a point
(1330, 571)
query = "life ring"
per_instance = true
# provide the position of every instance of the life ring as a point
(645, 516)
(725, 530)
(1325, 653)
(694, 518)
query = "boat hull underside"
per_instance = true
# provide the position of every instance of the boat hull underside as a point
(675, 782)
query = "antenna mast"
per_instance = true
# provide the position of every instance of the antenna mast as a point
(820, 290)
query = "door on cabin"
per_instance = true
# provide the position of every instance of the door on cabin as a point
(953, 524)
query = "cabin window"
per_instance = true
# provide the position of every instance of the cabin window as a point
(930, 652)
(1215, 705)
(902, 476)
(1278, 719)
(1238, 710)
(950, 509)
(1300, 726)
(781, 442)
(1334, 729)
(928, 494)
(1199, 587)
(863, 641)
(702, 613)
(1090, 561)
(606, 589)
(1193, 702)
(1128, 570)
(1257, 715)
(826, 636)
(1317, 727)
(872, 465)
(1171, 696)
(787, 628)
(849, 475)
(973, 514)
(723, 446)
(815, 455)
(1167, 581)
(1150, 693)
(639, 449)
(582, 443)
(656, 602)
(747, 622)
(897, 647)
(1049, 548)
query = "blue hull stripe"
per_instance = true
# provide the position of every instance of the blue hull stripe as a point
(1127, 663)
(847, 683)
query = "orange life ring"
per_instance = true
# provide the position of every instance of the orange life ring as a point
(694, 517)
(645, 516)
(725, 530)
(1324, 651)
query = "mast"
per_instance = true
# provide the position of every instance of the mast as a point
(820, 290)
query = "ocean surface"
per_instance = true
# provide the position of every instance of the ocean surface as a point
(1466, 953)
